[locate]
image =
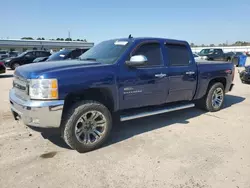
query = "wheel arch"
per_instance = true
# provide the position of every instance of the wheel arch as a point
(101, 95)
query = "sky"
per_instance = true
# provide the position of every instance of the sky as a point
(197, 21)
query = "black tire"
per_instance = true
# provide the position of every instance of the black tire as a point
(206, 102)
(14, 66)
(69, 123)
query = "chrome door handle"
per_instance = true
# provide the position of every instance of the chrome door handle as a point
(160, 75)
(190, 72)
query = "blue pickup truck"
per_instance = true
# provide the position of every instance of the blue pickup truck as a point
(127, 78)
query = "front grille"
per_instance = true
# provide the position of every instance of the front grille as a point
(20, 86)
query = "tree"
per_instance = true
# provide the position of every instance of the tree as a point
(203, 45)
(58, 39)
(62, 39)
(38, 38)
(212, 45)
(27, 38)
(68, 39)
(42, 38)
(192, 44)
(78, 40)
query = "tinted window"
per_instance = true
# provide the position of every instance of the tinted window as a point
(45, 54)
(152, 51)
(76, 53)
(30, 54)
(178, 55)
(37, 54)
(218, 51)
(61, 55)
(206, 51)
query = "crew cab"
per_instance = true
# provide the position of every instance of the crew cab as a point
(215, 54)
(127, 78)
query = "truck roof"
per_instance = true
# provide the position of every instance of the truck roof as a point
(153, 38)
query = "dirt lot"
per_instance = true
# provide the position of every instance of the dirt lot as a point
(182, 149)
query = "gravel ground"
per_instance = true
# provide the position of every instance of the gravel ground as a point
(184, 149)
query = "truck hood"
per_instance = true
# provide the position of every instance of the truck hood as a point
(35, 70)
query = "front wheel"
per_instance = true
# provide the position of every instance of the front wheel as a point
(214, 99)
(86, 126)
(14, 66)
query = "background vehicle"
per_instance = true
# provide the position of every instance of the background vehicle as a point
(66, 54)
(40, 59)
(2, 67)
(3, 54)
(13, 54)
(129, 78)
(25, 58)
(215, 54)
(245, 75)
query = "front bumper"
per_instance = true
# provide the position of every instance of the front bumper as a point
(36, 113)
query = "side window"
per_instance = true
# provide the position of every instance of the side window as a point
(75, 54)
(37, 54)
(45, 54)
(178, 55)
(152, 51)
(29, 55)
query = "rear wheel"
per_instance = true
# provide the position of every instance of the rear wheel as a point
(86, 126)
(214, 99)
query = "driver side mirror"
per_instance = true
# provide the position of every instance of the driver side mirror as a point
(137, 60)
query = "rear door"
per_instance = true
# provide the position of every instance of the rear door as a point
(147, 85)
(182, 72)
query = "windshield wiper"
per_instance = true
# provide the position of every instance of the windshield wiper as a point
(88, 59)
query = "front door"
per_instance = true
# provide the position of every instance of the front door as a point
(147, 85)
(182, 72)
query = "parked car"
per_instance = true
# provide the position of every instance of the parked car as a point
(127, 78)
(40, 59)
(3, 54)
(215, 54)
(2, 67)
(245, 75)
(66, 54)
(25, 58)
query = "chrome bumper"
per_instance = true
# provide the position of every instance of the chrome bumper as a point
(37, 113)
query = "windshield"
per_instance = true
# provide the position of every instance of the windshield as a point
(59, 55)
(206, 51)
(3, 52)
(106, 52)
(22, 54)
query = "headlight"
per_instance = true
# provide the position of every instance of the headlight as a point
(43, 89)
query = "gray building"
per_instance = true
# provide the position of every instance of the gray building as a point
(23, 45)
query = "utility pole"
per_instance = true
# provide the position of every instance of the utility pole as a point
(68, 34)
